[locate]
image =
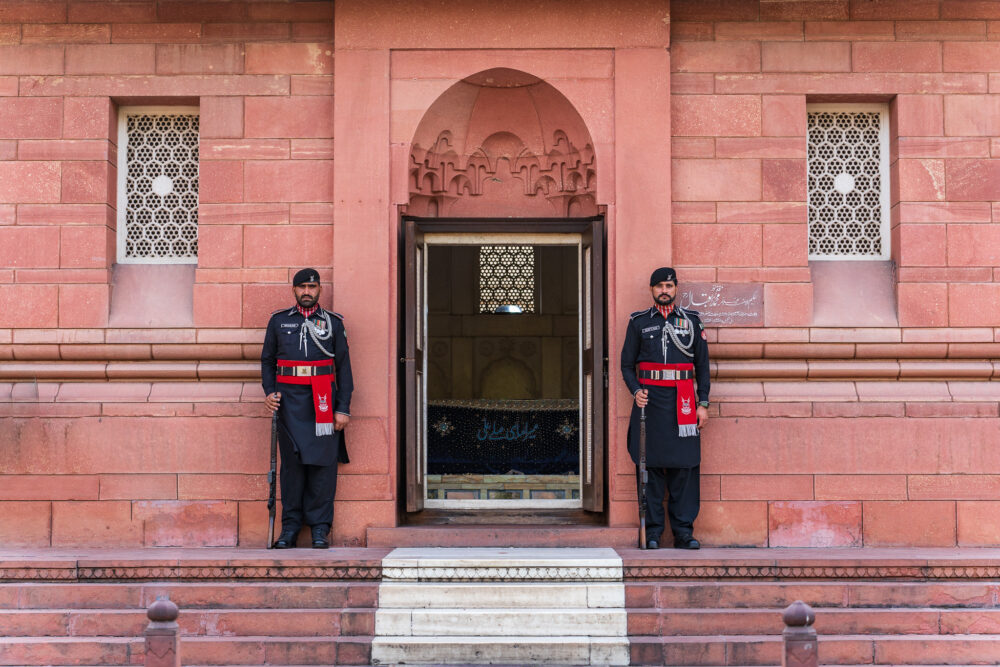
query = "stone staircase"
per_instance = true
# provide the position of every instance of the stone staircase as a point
(501, 606)
(235, 623)
(738, 622)
(911, 607)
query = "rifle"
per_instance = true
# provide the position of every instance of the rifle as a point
(272, 478)
(643, 478)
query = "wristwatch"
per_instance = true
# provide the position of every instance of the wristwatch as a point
(703, 404)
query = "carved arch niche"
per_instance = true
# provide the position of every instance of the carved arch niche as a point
(502, 143)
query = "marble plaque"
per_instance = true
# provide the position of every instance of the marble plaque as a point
(725, 304)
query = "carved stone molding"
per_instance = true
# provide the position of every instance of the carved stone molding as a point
(194, 573)
(784, 572)
(564, 175)
(375, 573)
(8, 574)
(598, 573)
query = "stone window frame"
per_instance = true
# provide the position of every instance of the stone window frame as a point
(122, 163)
(884, 176)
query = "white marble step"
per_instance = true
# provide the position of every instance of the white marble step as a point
(501, 606)
(501, 564)
(489, 595)
(501, 622)
(501, 650)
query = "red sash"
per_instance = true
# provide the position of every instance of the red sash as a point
(322, 389)
(687, 417)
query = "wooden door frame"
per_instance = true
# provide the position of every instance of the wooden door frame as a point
(527, 225)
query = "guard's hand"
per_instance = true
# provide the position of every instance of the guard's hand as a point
(272, 401)
(340, 421)
(642, 397)
(702, 413)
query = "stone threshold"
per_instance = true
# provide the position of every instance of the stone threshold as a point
(365, 564)
(502, 536)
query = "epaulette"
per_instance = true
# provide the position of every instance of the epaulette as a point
(283, 310)
(332, 312)
(638, 313)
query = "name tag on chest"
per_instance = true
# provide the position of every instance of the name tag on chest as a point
(648, 329)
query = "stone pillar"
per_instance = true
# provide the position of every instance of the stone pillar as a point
(162, 644)
(800, 647)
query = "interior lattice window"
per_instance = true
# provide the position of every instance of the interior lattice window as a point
(506, 278)
(158, 185)
(848, 182)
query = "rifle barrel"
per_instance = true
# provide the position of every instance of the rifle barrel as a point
(272, 475)
(643, 477)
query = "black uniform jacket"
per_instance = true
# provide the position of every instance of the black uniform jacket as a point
(644, 341)
(297, 416)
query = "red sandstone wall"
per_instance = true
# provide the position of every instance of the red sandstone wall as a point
(161, 459)
(861, 458)
(821, 436)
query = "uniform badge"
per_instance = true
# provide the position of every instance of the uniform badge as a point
(685, 406)
(325, 407)
(703, 336)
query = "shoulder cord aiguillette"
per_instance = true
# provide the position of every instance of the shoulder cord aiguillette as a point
(316, 334)
(668, 330)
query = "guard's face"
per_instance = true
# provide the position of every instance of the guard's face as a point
(664, 292)
(307, 294)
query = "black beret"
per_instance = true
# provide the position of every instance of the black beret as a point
(305, 276)
(661, 274)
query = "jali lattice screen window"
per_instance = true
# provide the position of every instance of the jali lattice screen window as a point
(506, 277)
(158, 185)
(848, 158)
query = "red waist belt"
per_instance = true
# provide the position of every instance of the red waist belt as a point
(674, 375)
(319, 374)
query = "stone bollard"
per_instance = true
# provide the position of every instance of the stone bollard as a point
(800, 647)
(162, 646)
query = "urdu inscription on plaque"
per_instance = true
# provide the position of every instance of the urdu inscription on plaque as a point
(725, 304)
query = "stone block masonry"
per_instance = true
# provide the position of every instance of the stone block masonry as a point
(856, 434)
(667, 607)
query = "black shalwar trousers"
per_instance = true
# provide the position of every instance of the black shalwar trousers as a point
(307, 493)
(682, 488)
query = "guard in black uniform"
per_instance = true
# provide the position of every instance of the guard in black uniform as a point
(305, 370)
(664, 354)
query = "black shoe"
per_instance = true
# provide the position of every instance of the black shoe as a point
(286, 540)
(320, 538)
(652, 544)
(686, 542)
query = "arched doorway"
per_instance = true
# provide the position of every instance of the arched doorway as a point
(504, 305)
(502, 143)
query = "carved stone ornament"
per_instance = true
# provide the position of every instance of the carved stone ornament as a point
(530, 573)
(502, 143)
